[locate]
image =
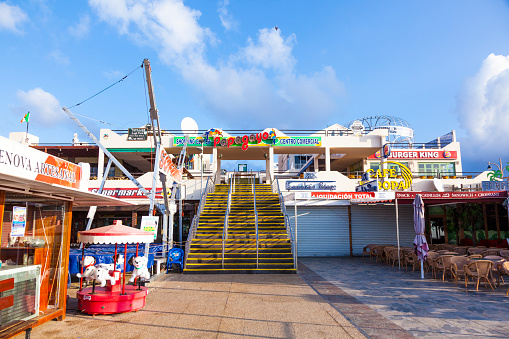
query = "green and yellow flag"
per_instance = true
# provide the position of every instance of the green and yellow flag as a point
(26, 117)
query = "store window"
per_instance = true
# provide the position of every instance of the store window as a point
(437, 168)
(31, 250)
(301, 160)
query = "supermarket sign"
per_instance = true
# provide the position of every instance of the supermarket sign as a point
(24, 162)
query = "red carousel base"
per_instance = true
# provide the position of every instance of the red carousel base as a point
(104, 301)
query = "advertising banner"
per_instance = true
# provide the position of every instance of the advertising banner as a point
(249, 141)
(167, 167)
(24, 162)
(126, 193)
(149, 224)
(18, 221)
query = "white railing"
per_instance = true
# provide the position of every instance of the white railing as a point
(288, 225)
(209, 187)
(256, 222)
(226, 216)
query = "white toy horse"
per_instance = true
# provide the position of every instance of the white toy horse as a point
(140, 269)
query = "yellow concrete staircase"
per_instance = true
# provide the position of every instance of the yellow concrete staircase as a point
(240, 250)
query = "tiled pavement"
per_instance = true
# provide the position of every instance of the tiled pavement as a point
(329, 298)
(403, 302)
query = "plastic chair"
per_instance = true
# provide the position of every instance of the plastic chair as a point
(175, 256)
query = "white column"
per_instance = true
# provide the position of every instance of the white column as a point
(267, 170)
(315, 163)
(100, 164)
(327, 158)
(271, 162)
(214, 161)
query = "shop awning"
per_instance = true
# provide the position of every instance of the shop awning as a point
(19, 185)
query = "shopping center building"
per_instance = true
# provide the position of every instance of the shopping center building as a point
(372, 159)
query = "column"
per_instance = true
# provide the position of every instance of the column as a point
(100, 164)
(271, 163)
(315, 163)
(327, 159)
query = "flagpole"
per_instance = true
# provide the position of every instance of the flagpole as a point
(28, 121)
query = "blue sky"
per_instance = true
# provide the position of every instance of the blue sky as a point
(440, 65)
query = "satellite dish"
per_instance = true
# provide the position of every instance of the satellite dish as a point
(189, 127)
(439, 186)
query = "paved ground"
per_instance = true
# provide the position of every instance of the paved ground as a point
(424, 308)
(330, 298)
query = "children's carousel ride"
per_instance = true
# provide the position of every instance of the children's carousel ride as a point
(113, 295)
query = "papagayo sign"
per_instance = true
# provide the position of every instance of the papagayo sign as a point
(389, 178)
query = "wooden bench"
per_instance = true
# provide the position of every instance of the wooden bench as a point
(14, 327)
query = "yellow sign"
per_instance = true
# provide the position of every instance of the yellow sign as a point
(392, 180)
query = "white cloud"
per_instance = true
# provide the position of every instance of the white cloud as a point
(43, 106)
(226, 18)
(259, 81)
(11, 17)
(59, 57)
(483, 109)
(81, 28)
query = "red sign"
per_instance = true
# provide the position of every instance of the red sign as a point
(167, 166)
(452, 195)
(125, 193)
(343, 195)
(415, 154)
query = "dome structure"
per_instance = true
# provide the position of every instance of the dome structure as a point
(399, 129)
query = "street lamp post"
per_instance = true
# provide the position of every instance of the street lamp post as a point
(500, 168)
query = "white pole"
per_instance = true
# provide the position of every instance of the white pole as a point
(296, 252)
(201, 172)
(422, 269)
(397, 230)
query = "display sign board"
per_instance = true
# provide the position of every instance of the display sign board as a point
(167, 166)
(369, 186)
(242, 167)
(126, 193)
(149, 224)
(304, 185)
(250, 141)
(18, 221)
(415, 154)
(136, 134)
(345, 195)
(452, 195)
(28, 163)
(495, 186)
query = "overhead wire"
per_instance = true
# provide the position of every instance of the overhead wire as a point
(108, 87)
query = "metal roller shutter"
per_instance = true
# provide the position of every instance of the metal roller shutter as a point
(376, 224)
(322, 231)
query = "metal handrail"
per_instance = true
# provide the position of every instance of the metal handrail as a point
(226, 215)
(288, 225)
(256, 223)
(209, 187)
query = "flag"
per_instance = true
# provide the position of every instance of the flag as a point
(26, 117)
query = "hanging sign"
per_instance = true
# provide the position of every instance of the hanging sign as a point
(167, 166)
(149, 224)
(18, 221)
(136, 134)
